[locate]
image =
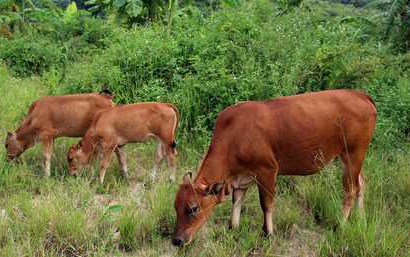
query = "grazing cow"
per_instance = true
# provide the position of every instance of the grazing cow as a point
(55, 116)
(113, 128)
(253, 142)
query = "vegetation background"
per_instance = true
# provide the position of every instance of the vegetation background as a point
(202, 55)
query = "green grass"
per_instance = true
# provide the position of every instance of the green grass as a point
(65, 216)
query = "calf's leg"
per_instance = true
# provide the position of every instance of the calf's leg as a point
(171, 161)
(47, 141)
(159, 156)
(105, 161)
(122, 159)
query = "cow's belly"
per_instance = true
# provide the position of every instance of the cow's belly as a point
(71, 131)
(305, 163)
(305, 166)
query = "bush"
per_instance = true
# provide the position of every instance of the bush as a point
(245, 54)
(83, 35)
(30, 55)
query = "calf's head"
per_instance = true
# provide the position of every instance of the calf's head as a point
(193, 205)
(13, 146)
(76, 158)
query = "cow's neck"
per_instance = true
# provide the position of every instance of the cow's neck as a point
(213, 169)
(88, 145)
(26, 136)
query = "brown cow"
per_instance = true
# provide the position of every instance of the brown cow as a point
(55, 116)
(113, 128)
(253, 142)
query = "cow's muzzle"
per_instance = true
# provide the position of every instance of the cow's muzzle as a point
(72, 172)
(177, 242)
(12, 159)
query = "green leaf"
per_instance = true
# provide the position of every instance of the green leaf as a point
(95, 8)
(136, 7)
(71, 10)
(119, 3)
(91, 2)
(115, 208)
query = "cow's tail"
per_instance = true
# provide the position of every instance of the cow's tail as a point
(174, 130)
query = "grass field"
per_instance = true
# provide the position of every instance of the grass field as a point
(66, 216)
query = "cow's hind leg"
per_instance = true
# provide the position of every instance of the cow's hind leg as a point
(360, 192)
(170, 155)
(353, 180)
(159, 156)
(169, 152)
(238, 196)
(122, 159)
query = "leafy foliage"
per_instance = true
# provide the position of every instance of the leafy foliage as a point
(205, 66)
(400, 10)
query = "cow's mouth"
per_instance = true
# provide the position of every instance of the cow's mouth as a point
(72, 171)
(180, 242)
(13, 159)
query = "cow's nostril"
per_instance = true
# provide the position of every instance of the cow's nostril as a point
(177, 242)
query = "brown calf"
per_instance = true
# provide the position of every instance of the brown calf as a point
(55, 116)
(254, 142)
(113, 128)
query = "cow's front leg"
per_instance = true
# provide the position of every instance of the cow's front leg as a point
(238, 195)
(105, 161)
(47, 141)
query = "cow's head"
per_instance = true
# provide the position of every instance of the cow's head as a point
(76, 158)
(193, 205)
(13, 146)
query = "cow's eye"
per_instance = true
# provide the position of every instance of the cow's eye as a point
(193, 211)
(7, 145)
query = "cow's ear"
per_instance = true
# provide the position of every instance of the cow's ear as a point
(215, 188)
(9, 134)
(187, 178)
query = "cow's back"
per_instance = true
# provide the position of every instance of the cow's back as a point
(131, 121)
(300, 133)
(68, 115)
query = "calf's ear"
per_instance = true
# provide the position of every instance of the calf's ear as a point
(187, 178)
(215, 188)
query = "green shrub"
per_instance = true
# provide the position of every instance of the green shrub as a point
(30, 55)
(245, 54)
